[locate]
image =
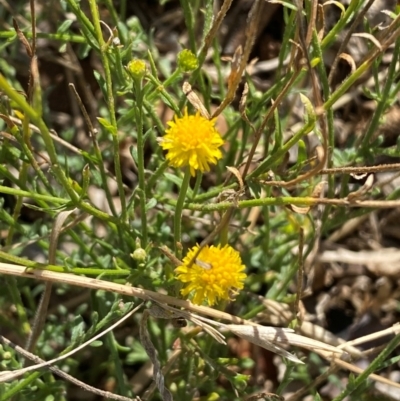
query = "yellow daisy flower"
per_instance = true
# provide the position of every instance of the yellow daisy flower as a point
(216, 273)
(193, 141)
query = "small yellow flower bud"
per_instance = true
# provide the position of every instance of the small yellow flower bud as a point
(187, 61)
(137, 68)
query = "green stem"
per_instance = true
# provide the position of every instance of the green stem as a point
(62, 269)
(111, 105)
(171, 79)
(164, 94)
(270, 201)
(63, 37)
(103, 174)
(140, 157)
(178, 211)
(188, 14)
(329, 117)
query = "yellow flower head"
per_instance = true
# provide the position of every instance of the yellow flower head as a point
(216, 273)
(192, 141)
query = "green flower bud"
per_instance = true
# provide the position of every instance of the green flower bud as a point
(7, 355)
(139, 255)
(187, 61)
(137, 68)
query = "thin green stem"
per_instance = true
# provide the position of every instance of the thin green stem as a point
(62, 37)
(62, 269)
(112, 11)
(214, 193)
(278, 201)
(178, 211)
(140, 156)
(164, 94)
(111, 105)
(101, 166)
(188, 15)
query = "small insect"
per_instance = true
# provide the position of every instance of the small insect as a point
(204, 265)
